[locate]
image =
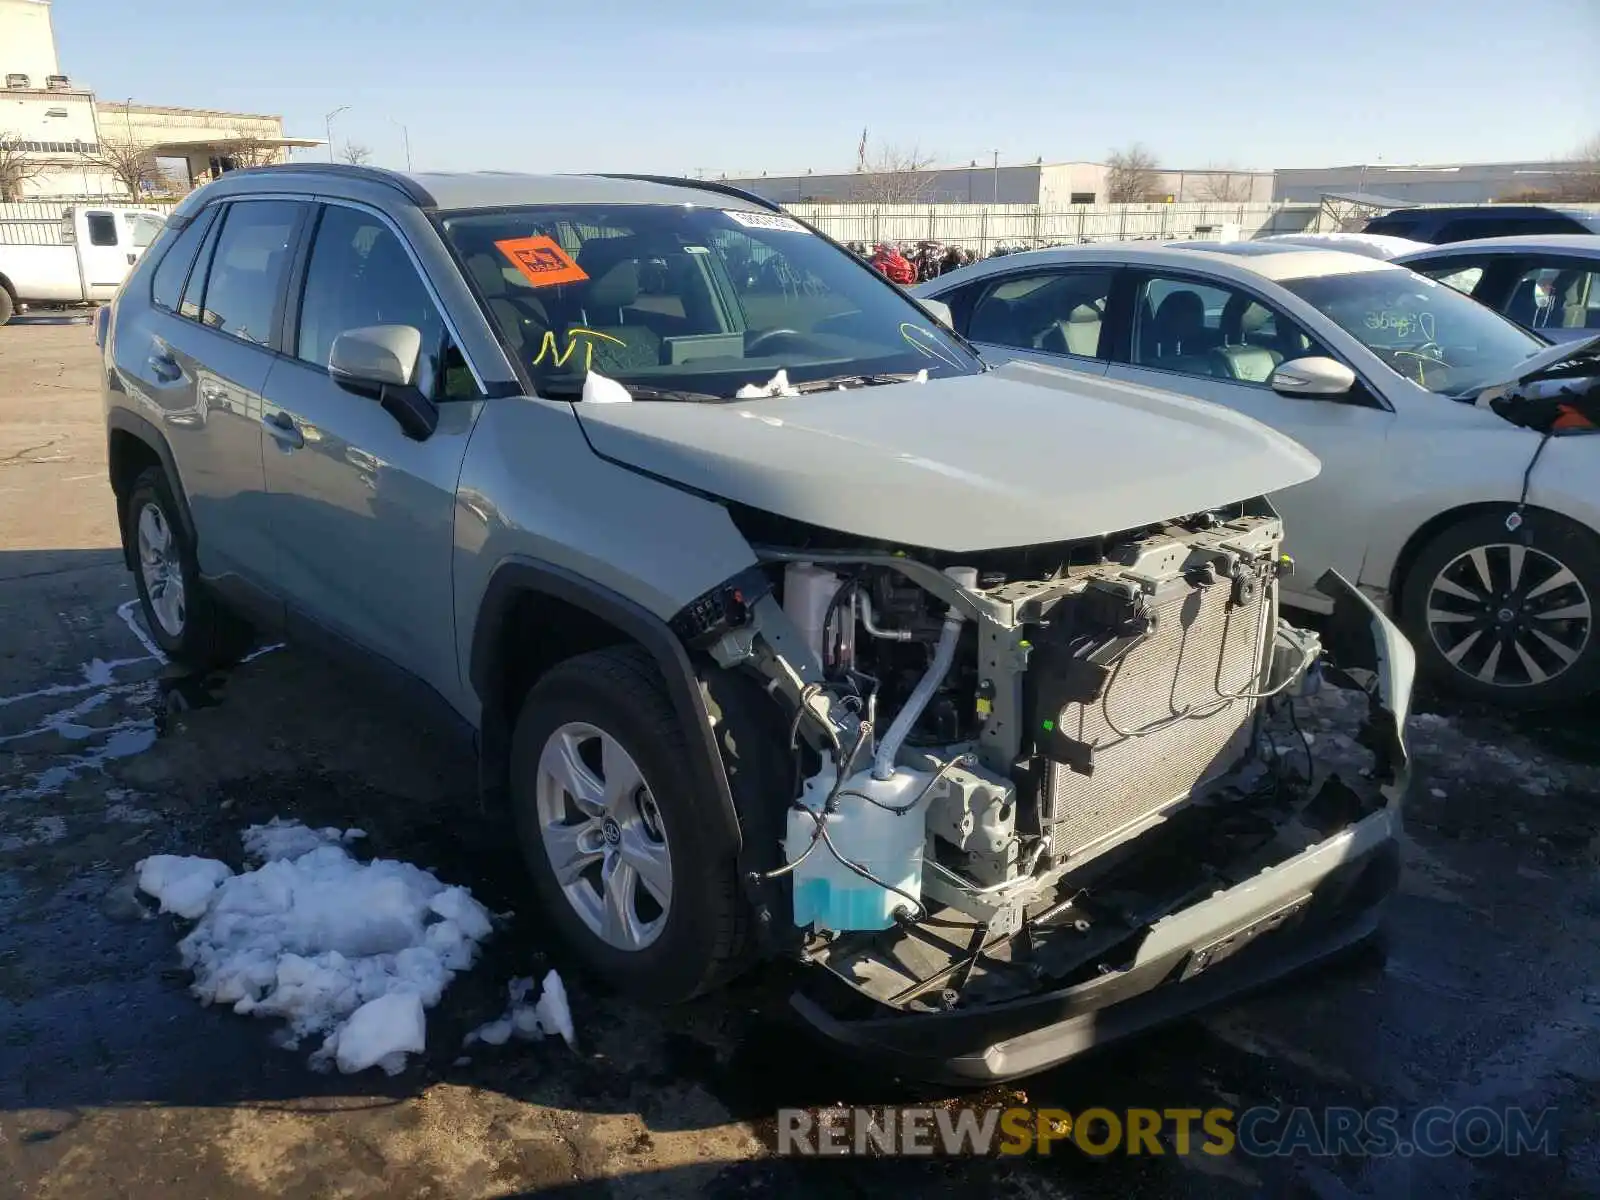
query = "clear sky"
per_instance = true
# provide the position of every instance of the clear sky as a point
(741, 87)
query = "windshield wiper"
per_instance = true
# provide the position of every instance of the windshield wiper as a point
(838, 381)
(573, 390)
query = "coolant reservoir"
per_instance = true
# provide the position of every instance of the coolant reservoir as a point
(808, 590)
(827, 894)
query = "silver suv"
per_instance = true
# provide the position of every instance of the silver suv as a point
(781, 625)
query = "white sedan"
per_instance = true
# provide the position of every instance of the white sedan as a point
(1478, 531)
(1549, 283)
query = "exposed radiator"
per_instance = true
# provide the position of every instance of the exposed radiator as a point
(1176, 668)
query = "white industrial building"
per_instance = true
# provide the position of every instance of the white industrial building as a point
(51, 123)
(1445, 183)
(1051, 185)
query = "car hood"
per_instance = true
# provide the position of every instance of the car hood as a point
(1020, 455)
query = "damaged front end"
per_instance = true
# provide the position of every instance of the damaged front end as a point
(1044, 795)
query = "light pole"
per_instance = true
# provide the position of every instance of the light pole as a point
(327, 123)
(406, 134)
(996, 154)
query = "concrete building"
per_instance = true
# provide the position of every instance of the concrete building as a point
(1445, 183)
(52, 127)
(1050, 185)
(192, 145)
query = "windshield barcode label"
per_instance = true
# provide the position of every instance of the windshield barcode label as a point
(752, 220)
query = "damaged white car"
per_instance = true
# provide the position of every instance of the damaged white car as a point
(786, 628)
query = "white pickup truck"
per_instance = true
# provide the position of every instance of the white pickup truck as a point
(79, 259)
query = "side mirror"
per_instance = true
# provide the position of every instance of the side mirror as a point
(381, 361)
(1313, 376)
(376, 355)
(938, 310)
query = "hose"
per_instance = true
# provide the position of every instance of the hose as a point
(900, 810)
(869, 622)
(900, 729)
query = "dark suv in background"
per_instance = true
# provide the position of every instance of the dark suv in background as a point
(1459, 223)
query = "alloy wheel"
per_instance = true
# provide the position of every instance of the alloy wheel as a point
(1509, 615)
(161, 570)
(603, 833)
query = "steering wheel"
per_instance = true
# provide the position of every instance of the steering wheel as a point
(755, 344)
(1423, 359)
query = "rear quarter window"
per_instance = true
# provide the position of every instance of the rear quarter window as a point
(166, 286)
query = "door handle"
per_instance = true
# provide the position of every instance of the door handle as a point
(164, 367)
(283, 430)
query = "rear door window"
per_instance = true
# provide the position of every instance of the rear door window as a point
(1057, 311)
(245, 284)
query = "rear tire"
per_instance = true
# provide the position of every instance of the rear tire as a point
(644, 896)
(8, 305)
(182, 615)
(1508, 617)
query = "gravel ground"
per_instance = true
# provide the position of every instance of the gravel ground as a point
(115, 1082)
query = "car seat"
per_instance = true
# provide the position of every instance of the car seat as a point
(1176, 337)
(1079, 334)
(522, 317)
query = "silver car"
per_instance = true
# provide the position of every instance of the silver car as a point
(1549, 283)
(782, 626)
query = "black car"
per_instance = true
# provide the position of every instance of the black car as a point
(1461, 222)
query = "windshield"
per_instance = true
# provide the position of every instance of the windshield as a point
(1424, 330)
(688, 299)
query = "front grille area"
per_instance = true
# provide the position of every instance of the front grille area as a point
(1175, 669)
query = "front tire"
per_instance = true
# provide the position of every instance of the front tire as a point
(1508, 617)
(614, 834)
(180, 612)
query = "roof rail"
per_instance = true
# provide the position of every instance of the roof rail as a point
(404, 184)
(704, 185)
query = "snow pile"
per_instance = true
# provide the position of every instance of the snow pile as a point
(290, 839)
(348, 950)
(550, 1015)
(778, 385)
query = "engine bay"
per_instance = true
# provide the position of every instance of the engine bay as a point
(978, 737)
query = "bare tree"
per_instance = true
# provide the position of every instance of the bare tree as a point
(130, 162)
(1583, 184)
(1224, 183)
(1131, 175)
(248, 148)
(355, 154)
(1580, 182)
(893, 176)
(17, 166)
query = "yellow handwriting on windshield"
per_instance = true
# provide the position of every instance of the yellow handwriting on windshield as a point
(576, 336)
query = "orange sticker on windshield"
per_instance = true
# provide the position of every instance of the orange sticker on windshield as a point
(541, 261)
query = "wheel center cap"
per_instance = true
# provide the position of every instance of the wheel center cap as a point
(1505, 616)
(612, 832)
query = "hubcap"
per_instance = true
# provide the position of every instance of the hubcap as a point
(603, 834)
(161, 570)
(1509, 615)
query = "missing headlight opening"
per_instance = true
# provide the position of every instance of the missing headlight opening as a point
(1011, 765)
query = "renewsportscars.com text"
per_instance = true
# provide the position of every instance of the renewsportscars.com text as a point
(1257, 1132)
